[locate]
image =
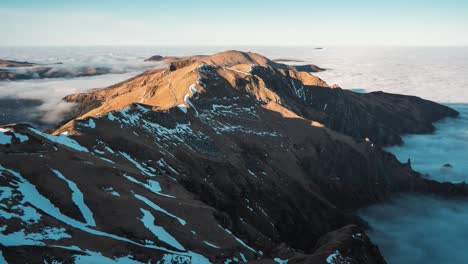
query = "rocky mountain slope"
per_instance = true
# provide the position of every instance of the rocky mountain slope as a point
(226, 158)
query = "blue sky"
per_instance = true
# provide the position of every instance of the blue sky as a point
(237, 22)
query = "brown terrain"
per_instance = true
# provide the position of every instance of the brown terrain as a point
(228, 158)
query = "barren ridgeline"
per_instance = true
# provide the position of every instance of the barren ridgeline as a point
(228, 157)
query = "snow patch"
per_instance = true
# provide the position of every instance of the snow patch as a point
(27, 214)
(96, 257)
(336, 257)
(158, 208)
(78, 199)
(210, 244)
(280, 261)
(244, 259)
(183, 108)
(187, 100)
(111, 191)
(5, 139)
(238, 240)
(234, 70)
(61, 139)
(90, 123)
(251, 173)
(20, 238)
(151, 185)
(193, 90)
(2, 259)
(138, 165)
(148, 221)
(110, 116)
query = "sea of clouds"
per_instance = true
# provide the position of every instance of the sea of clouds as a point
(123, 63)
(447, 146)
(433, 73)
(49, 94)
(420, 229)
(427, 229)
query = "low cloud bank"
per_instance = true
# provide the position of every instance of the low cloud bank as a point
(434, 73)
(420, 229)
(447, 146)
(427, 229)
(116, 65)
(48, 107)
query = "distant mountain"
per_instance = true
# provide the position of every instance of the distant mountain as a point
(227, 158)
(16, 70)
(232, 57)
(41, 72)
(11, 63)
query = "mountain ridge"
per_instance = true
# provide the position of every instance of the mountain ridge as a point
(233, 163)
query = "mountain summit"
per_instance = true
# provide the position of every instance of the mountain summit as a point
(227, 158)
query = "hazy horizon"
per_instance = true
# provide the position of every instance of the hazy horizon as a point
(259, 23)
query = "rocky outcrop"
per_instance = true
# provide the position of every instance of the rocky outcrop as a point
(223, 159)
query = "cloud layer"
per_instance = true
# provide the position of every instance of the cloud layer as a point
(432, 73)
(48, 107)
(447, 146)
(420, 229)
(423, 229)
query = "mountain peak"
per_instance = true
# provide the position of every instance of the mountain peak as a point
(229, 73)
(202, 79)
